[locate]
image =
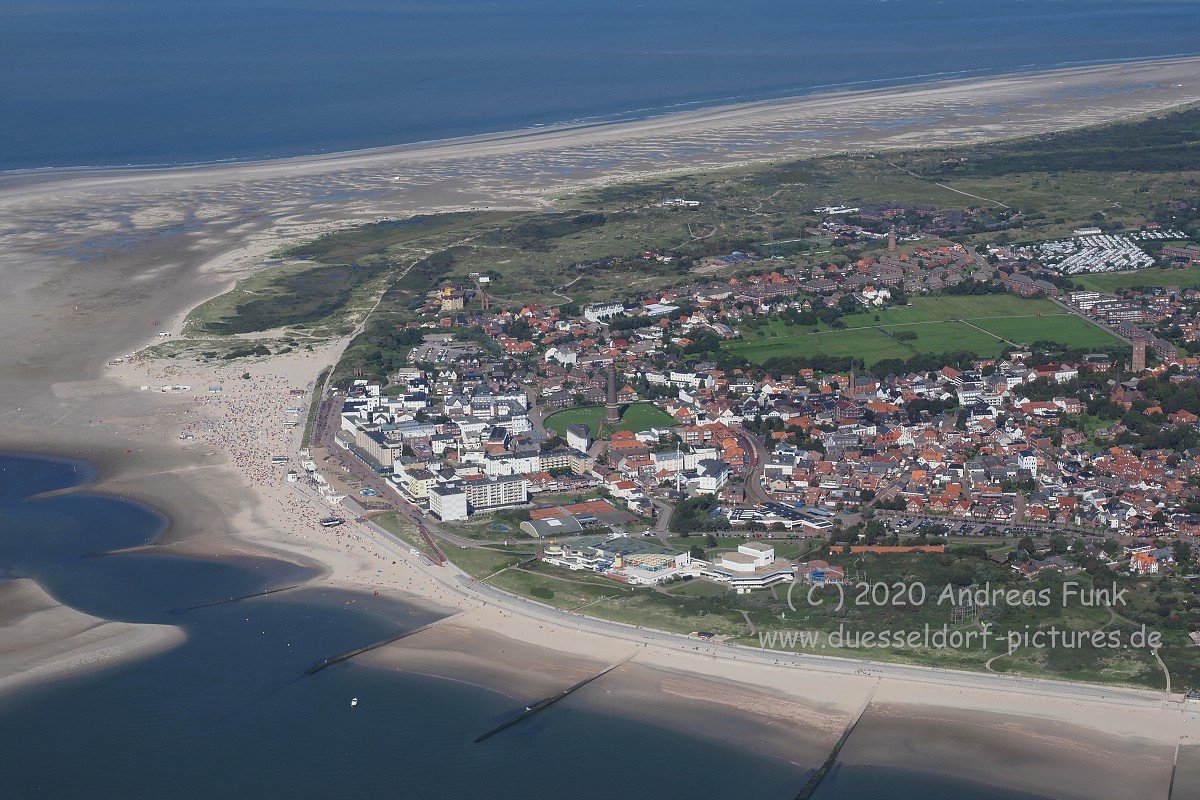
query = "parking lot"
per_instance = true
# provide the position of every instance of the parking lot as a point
(444, 351)
(949, 527)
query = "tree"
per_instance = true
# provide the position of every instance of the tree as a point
(695, 514)
(1183, 555)
(519, 329)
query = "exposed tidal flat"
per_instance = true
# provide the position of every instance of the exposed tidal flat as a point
(92, 262)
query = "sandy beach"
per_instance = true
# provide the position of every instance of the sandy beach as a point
(91, 262)
(1027, 739)
(42, 640)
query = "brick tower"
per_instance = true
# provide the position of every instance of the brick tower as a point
(1139, 355)
(612, 411)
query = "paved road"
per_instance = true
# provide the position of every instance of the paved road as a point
(537, 416)
(627, 638)
(662, 523)
(757, 454)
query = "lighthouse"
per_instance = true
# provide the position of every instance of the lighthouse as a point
(612, 412)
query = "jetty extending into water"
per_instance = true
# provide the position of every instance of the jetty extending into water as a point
(240, 598)
(542, 705)
(329, 662)
(813, 782)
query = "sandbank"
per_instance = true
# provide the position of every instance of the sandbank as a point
(42, 640)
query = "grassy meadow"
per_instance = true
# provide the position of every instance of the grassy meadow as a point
(634, 417)
(985, 324)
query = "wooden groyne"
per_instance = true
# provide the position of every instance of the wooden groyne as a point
(140, 548)
(822, 771)
(329, 662)
(1174, 769)
(229, 600)
(542, 705)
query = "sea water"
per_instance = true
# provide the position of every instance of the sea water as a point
(230, 712)
(136, 82)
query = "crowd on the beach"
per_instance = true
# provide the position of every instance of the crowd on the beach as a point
(245, 419)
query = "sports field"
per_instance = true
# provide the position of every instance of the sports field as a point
(984, 324)
(634, 417)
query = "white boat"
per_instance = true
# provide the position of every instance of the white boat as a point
(353, 702)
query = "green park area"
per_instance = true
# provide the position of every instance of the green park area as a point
(983, 324)
(634, 417)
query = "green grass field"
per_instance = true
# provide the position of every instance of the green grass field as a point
(772, 328)
(940, 325)
(699, 588)
(870, 344)
(939, 337)
(950, 307)
(1065, 328)
(634, 417)
(481, 562)
(1183, 278)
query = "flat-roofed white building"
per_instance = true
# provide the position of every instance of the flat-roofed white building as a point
(753, 566)
(496, 492)
(513, 464)
(448, 503)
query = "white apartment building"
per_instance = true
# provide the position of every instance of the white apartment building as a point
(448, 503)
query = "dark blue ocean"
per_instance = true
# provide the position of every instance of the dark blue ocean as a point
(119, 82)
(230, 713)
